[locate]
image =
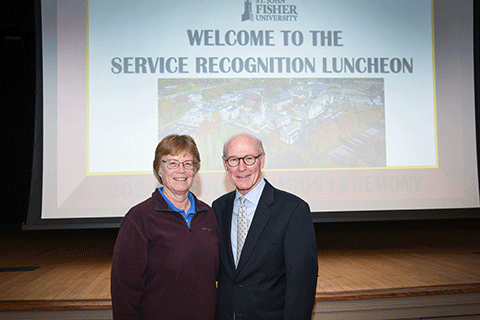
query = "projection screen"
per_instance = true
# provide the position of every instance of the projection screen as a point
(366, 108)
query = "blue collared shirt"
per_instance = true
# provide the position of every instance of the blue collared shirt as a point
(251, 202)
(186, 215)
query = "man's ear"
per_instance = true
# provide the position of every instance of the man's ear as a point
(224, 164)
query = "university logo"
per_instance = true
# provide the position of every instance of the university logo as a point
(269, 10)
(248, 15)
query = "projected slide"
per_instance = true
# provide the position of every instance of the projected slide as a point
(354, 100)
(307, 123)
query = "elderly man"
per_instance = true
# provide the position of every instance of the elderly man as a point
(268, 254)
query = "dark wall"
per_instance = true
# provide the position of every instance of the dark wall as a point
(17, 103)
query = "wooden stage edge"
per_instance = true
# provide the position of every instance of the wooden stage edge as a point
(398, 293)
(55, 305)
(106, 304)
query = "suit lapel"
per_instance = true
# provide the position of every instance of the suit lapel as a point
(260, 219)
(226, 225)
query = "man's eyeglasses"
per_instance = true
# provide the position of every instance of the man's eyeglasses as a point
(174, 164)
(248, 160)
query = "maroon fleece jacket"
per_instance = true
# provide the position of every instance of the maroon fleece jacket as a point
(162, 269)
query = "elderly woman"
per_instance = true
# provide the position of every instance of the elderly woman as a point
(165, 260)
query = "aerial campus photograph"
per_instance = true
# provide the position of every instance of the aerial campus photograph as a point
(310, 123)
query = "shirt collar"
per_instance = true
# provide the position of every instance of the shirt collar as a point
(170, 204)
(253, 195)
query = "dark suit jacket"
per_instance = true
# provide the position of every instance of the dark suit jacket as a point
(276, 276)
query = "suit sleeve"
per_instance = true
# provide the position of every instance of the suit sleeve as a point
(128, 264)
(301, 263)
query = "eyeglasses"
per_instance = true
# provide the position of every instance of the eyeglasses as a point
(174, 164)
(248, 160)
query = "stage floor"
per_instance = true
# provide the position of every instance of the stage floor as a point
(357, 261)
